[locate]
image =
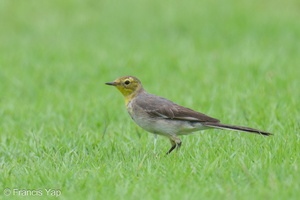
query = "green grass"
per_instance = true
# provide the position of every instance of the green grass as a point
(62, 128)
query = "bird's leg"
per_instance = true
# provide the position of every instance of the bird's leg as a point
(172, 148)
(176, 143)
(154, 142)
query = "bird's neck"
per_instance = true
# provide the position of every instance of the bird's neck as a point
(132, 95)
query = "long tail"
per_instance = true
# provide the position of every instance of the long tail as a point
(236, 128)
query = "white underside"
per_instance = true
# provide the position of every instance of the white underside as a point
(163, 126)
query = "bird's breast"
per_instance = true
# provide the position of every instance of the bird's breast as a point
(129, 107)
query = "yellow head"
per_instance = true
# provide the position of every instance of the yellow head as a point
(129, 86)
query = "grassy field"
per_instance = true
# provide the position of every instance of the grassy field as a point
(62, 129)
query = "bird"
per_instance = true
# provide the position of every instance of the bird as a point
(161, 116)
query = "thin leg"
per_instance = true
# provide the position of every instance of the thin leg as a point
(172, 148)
(154, 142)
(176, 143)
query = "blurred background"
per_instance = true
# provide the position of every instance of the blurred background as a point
(57, 55)
(235, 60)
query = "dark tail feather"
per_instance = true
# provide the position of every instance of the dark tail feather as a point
(236, 128)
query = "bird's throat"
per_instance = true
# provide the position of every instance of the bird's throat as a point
(132, 95)
(129, 97)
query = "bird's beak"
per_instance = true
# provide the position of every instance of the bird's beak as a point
(111, 83)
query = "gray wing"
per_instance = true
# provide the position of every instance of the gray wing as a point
(157, 106)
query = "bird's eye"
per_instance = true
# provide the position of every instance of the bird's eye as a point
(127, 82)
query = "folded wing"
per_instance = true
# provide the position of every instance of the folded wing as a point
(157, 106)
